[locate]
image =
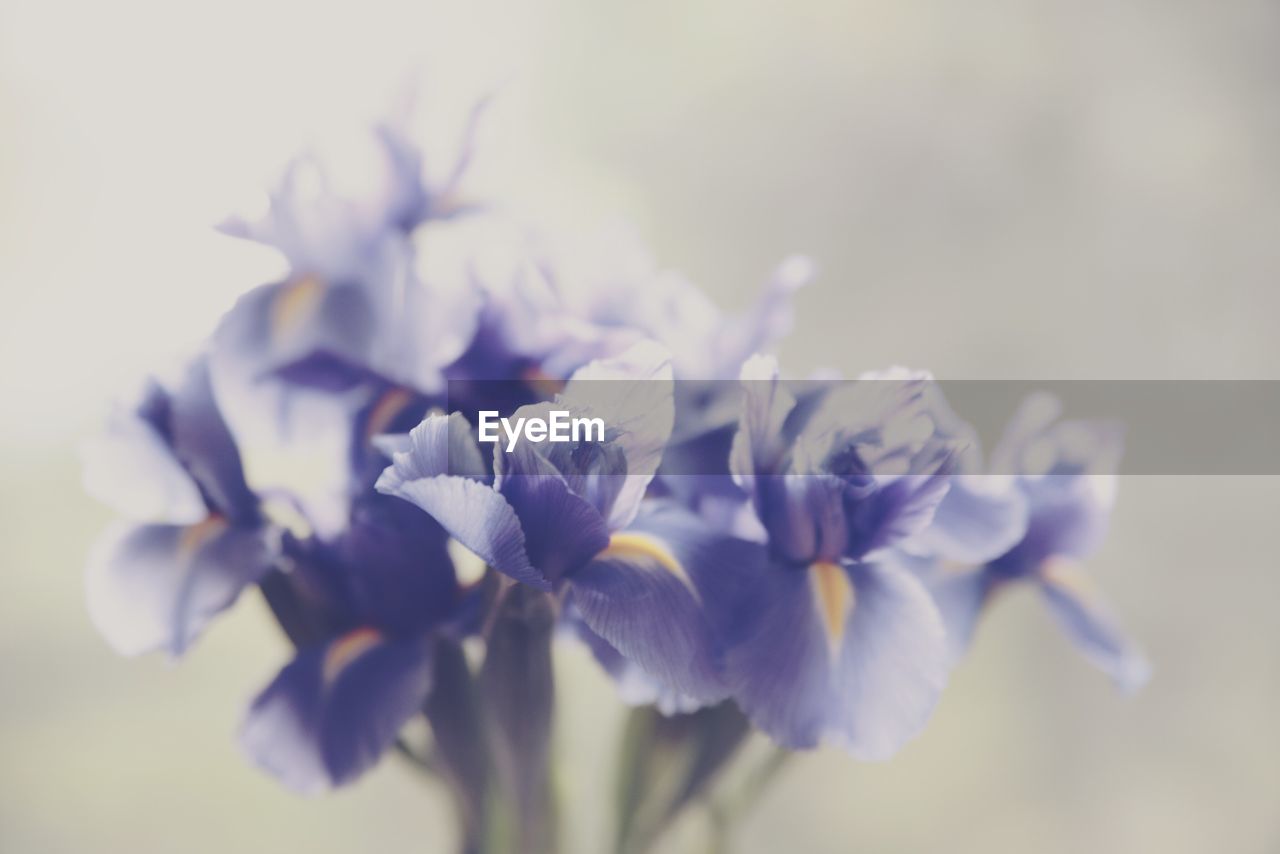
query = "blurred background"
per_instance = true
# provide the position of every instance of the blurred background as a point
(991, 189)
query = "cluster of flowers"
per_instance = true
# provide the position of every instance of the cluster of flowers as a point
(821, 562)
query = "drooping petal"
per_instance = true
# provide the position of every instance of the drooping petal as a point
(646, 594)
(855, 655)
(1088, 620)
(635, 687)
(334, 710)
(153, 587)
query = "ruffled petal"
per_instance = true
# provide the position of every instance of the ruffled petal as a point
(440, 445)
(333, 711)
(153, 587)
(475, 515)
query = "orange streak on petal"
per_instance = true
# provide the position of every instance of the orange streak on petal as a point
(347, 649)
(294, 303)
(195, 536)
(387, 408)
(1066, 576)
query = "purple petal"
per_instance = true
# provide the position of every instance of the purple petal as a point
(1069, 517)
(333, 711)
(152, 587)
(898, 509)
(644, 596)
(562, 530)
(389, 569)
(635, 687)
(979, 519)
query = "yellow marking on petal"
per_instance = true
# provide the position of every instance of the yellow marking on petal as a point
(389, 405)
(948, 566)
(1065, 575)
(833, 594)
(291, 307)
(632, 546)
(200, 533)
(347, 649)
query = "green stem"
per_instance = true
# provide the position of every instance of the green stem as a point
(726, 811)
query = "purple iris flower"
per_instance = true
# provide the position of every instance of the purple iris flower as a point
(365, 610)
(568, 518)
(1065, 472)
(196, 537)
(831, 642)
(359, 308)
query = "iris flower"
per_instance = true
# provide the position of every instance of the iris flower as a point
(358, 308)
(1065, 472)
(567, 518)
(196, 537)
(828, 642)
(375, 600)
